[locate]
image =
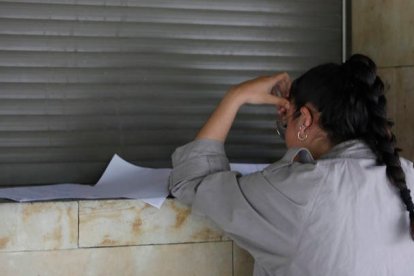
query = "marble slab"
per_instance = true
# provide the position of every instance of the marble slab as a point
(201, 259)
(133, 222)
(38, 226)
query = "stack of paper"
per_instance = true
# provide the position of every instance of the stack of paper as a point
(120, 180)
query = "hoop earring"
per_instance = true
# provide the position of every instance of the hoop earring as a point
(302, 137)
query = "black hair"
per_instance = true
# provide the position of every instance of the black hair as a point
(350, 99)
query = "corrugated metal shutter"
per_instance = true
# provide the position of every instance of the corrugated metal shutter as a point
(82, 80)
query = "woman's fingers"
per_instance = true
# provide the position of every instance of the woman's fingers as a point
(282, 84)
(281, 111)
(260, 90)
(278, 101)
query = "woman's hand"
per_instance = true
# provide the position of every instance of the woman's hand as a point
(259, 91)
(256, 91)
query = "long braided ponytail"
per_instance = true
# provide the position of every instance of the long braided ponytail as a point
(379, 136)
(351, 100)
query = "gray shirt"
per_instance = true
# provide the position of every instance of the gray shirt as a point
(338, 215)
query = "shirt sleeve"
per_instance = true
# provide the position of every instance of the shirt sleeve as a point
(263, 212)
(192, 163)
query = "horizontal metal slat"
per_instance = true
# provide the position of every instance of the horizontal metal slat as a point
(104, 107)
(82, 154)
(125, 122)
(162, 30)
(122, 106)
(122, 75)
(99, 91)
(93, 138)
(165, 15)
(152, 60)
(102, 122)
(163, 46)
(269, 152)
(40, 173)
(287, 6)
(71, 139)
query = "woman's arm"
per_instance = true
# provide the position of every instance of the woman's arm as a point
(195, 161)
(256, 91)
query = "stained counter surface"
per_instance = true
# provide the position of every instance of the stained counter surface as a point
(114, 237)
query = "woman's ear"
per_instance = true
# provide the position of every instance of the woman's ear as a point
(306, 117)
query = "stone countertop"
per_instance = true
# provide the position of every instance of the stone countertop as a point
(107, 237)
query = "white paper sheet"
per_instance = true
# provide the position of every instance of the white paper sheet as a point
(120, 180)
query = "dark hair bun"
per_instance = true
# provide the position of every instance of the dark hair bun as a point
(361, 68)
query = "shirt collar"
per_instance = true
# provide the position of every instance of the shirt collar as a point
(301, 155)
(356, 149)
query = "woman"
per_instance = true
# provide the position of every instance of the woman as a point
(335, 203)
